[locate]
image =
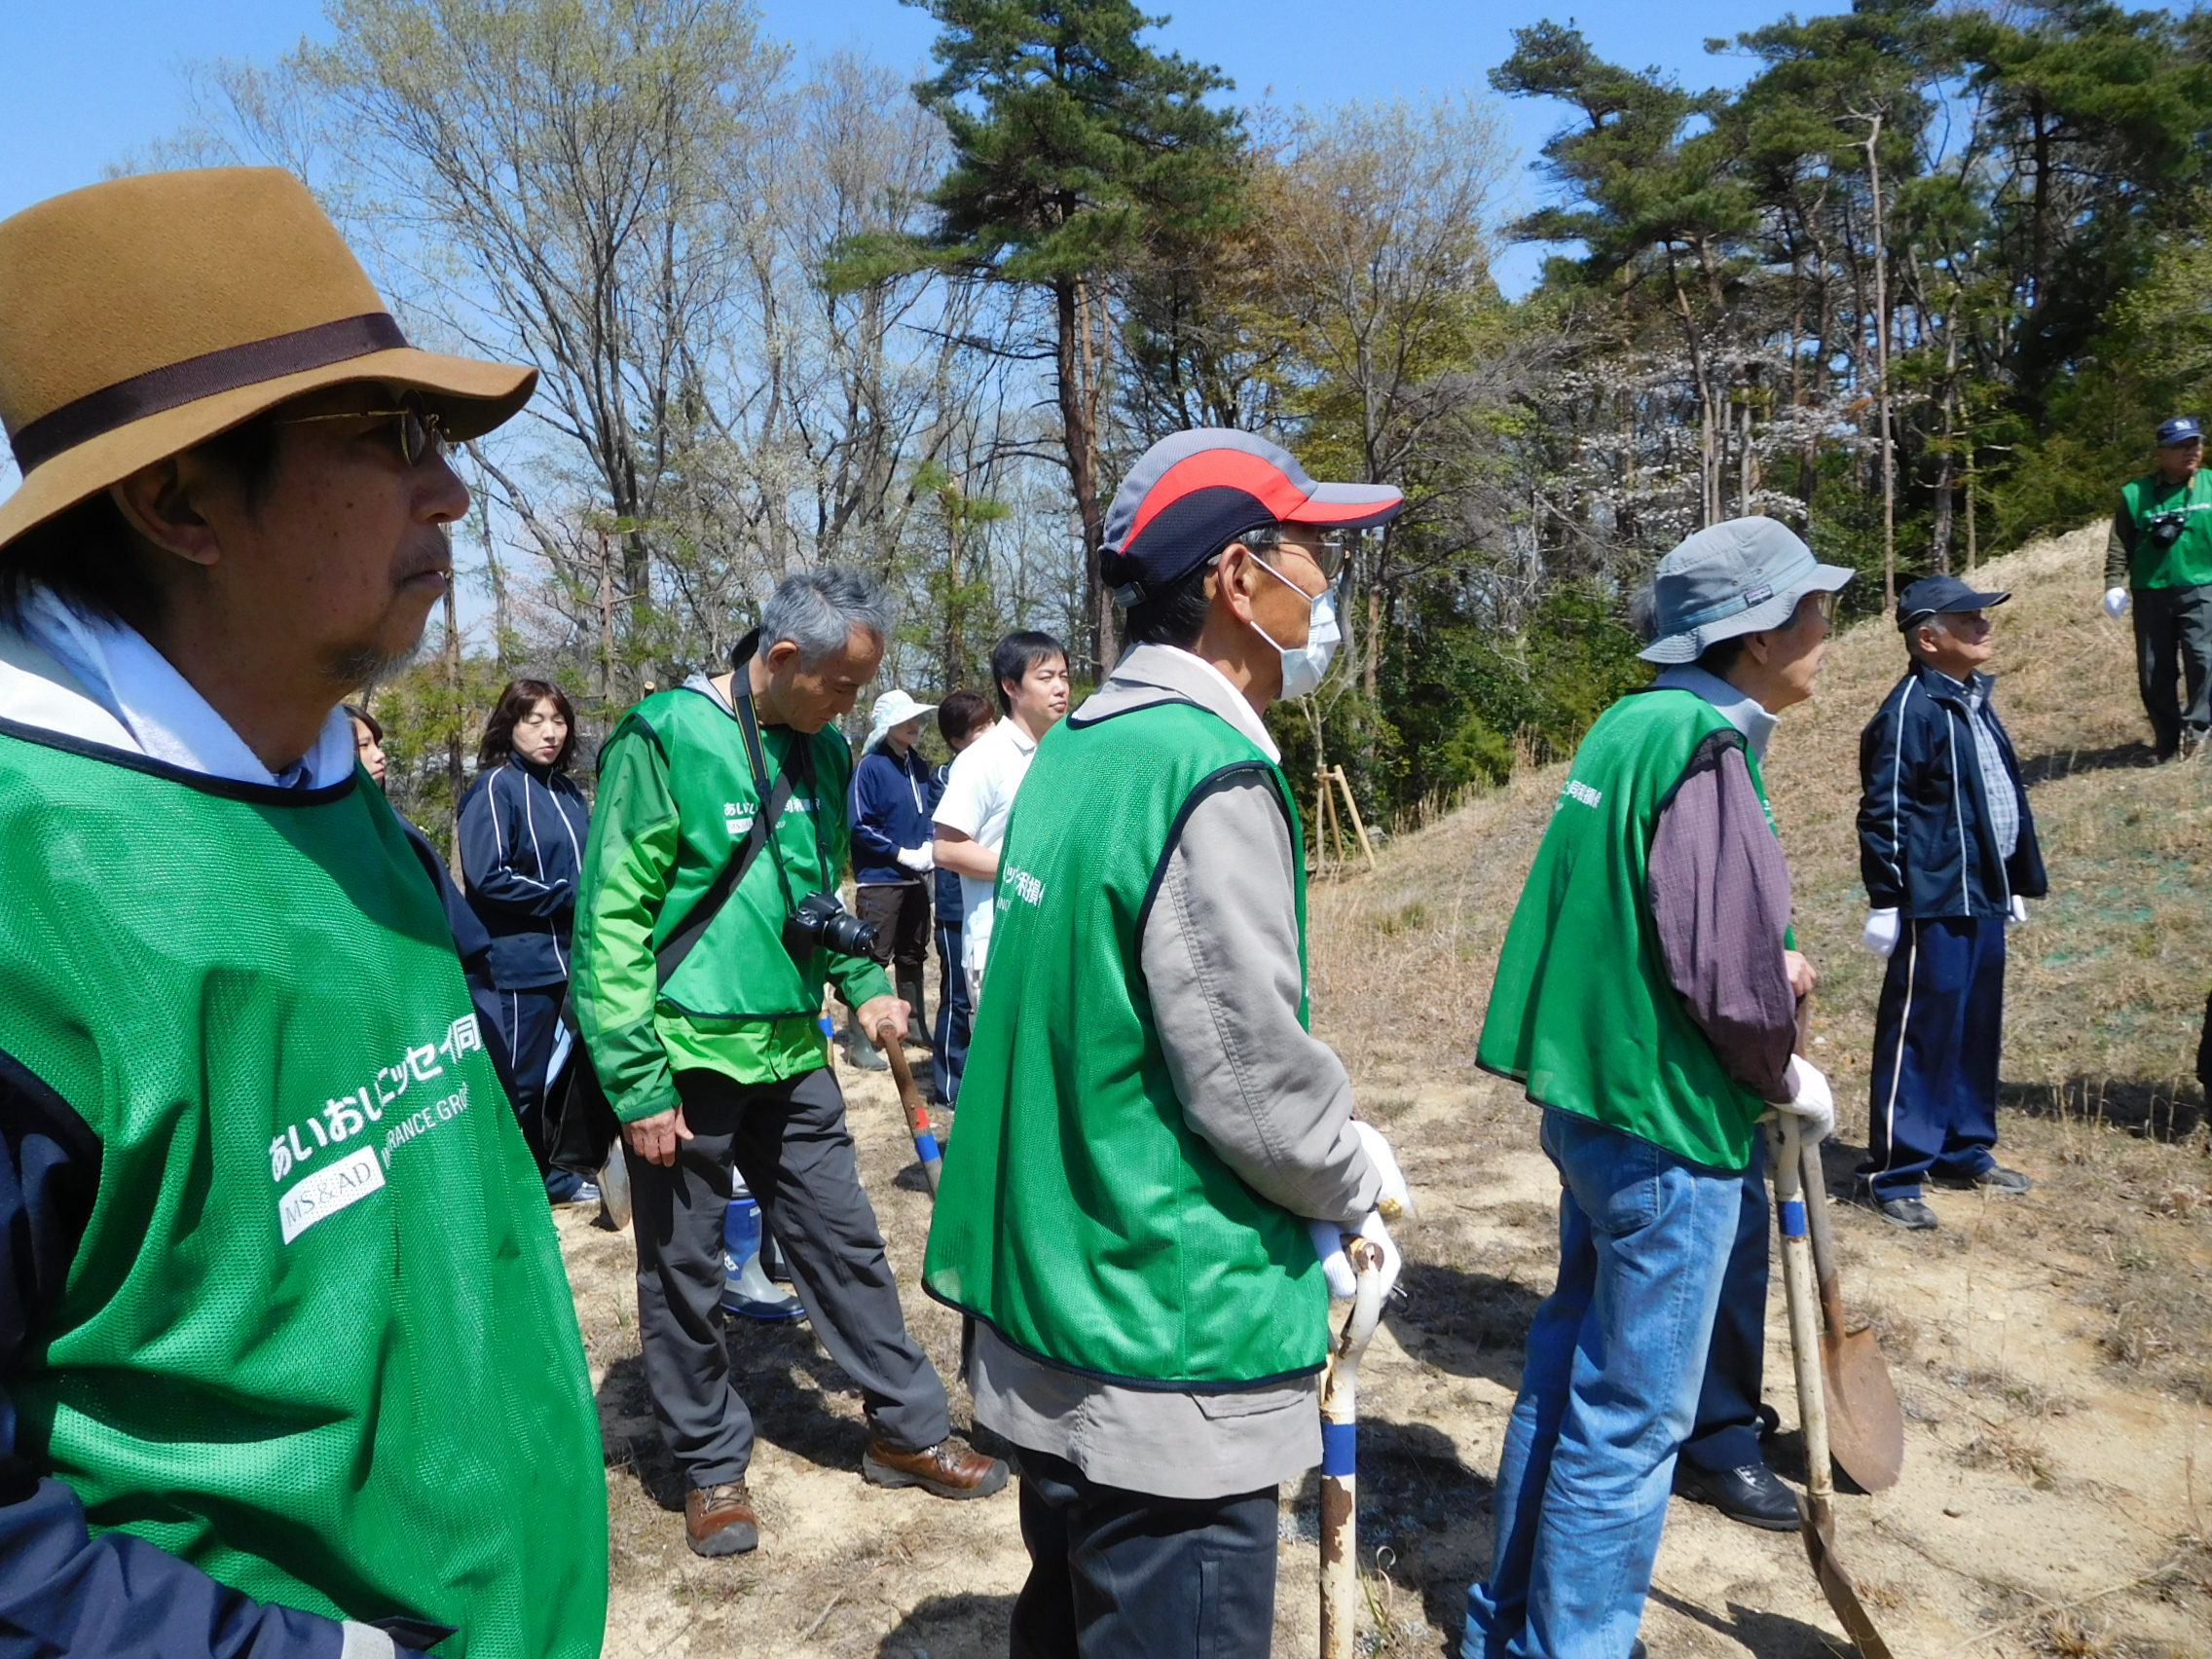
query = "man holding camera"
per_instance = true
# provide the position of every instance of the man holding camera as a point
(2160, 557)
(708, 926)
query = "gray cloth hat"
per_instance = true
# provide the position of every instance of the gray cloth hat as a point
(1732, 578)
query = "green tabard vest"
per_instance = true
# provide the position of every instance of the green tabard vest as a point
(1081, 1217)
(740, 969)
(1582, 1012)
(2188, 562)
(316, 1339)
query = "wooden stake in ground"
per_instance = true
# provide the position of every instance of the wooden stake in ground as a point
(1358, 824)
(1339, 1454)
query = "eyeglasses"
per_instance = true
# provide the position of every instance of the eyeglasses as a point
(1824, 602)
(420, 432)
(1334, 545)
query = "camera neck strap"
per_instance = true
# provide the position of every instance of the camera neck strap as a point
(774, 799)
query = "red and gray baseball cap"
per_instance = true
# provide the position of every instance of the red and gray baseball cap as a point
(1193, 492)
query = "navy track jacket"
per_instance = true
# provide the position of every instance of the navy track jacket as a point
(1926, 847)
(889, 809)
(522, 851)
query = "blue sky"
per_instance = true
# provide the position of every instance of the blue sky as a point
(84, 82)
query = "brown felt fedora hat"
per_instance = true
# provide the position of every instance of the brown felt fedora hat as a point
(144, 316)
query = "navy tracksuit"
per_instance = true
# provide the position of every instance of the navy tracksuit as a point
(948, 1044)
(1928, 848)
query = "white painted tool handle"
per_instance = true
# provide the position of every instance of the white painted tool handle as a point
(1804, 1296)
(1340, 1457)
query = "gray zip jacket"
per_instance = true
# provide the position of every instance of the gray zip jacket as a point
(1218, 955)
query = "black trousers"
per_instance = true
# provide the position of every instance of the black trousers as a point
(528, 1021)
(1726, 1434)
(2173, 635)
(789, 1143)
(1117, 1574)
(900, 914)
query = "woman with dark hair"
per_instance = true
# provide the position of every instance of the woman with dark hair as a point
(523, 826)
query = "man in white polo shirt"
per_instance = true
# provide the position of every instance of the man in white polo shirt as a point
(1031, 670)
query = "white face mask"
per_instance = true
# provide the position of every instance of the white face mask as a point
(1304, 667)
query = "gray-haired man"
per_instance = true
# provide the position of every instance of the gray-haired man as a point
(711, 1055)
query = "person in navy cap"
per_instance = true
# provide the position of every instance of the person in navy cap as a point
(1948, 850)
(2159, 556)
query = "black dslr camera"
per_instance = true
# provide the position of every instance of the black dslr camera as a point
(822, 921)
(2164, 528)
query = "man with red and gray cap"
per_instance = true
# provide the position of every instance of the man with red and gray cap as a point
(1149, 1135)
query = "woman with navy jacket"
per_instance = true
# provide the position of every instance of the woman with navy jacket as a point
(523, 827)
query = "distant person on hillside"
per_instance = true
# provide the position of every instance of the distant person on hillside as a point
(889, 808)
(2159, 556)
(1647, 996)
(523, 827)
(961, 718)
(1948, 850)
(1031, 673)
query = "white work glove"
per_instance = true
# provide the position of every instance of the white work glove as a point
(2115, 603)
(1811, 1102)
(1881, 932)
(1336, 1267)
(1394, 1200)
(918, 858)
(2018, 911)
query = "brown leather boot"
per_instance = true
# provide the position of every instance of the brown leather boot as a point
(947, 1470)
(718, 1520)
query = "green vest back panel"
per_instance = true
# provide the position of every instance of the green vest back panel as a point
(2188, 562)
(740, 970)
(1582, 1011)
(1081, 1217)
(316, 1339)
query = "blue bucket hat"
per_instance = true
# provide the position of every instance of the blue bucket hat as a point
(1732, 578)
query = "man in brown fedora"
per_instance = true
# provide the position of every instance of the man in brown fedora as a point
(288, 1364)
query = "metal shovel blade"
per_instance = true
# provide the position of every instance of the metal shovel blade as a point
(1866, 1423)
(1819, 1528)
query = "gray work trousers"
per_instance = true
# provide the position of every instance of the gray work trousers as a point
(2173, 636)
(788, 1142)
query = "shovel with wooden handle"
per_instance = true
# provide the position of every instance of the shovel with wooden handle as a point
(1339, 1454)
(917, 1109)
(1866, 1423)
(1818, 1518)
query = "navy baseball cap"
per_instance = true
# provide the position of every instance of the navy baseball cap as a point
(1192, 491)
(2179, 429)
(1940, 596)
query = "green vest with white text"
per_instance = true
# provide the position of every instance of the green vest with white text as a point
(316, 1337)
(2185, 562)
(1581, 1009)
(1080, 1216)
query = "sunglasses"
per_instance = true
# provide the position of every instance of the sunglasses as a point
(420, 432)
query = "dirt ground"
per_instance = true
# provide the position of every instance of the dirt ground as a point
(2050, 1350)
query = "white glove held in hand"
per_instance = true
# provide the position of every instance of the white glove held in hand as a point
(918, 858)
(2019, 909)
(1811, 1102)
(2115, 603)
(1336, 1267)
(1395, 1201)
(1881, 932)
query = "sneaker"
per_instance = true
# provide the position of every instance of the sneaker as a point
(586, 1193)
(1908, 1213)
(1994, 1179)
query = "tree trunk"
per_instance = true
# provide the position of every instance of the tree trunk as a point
(1882, 364)
(1070, 344)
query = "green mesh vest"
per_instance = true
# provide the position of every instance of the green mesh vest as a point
(316, 1339)
(2185, 561)
(1079, 1216)
(1582, 1012)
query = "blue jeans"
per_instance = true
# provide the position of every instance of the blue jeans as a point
(1609, 1392)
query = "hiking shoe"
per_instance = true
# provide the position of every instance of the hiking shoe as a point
(947, 1470)
(1995, 1179)
(1908, 1213)
(718, 1520)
